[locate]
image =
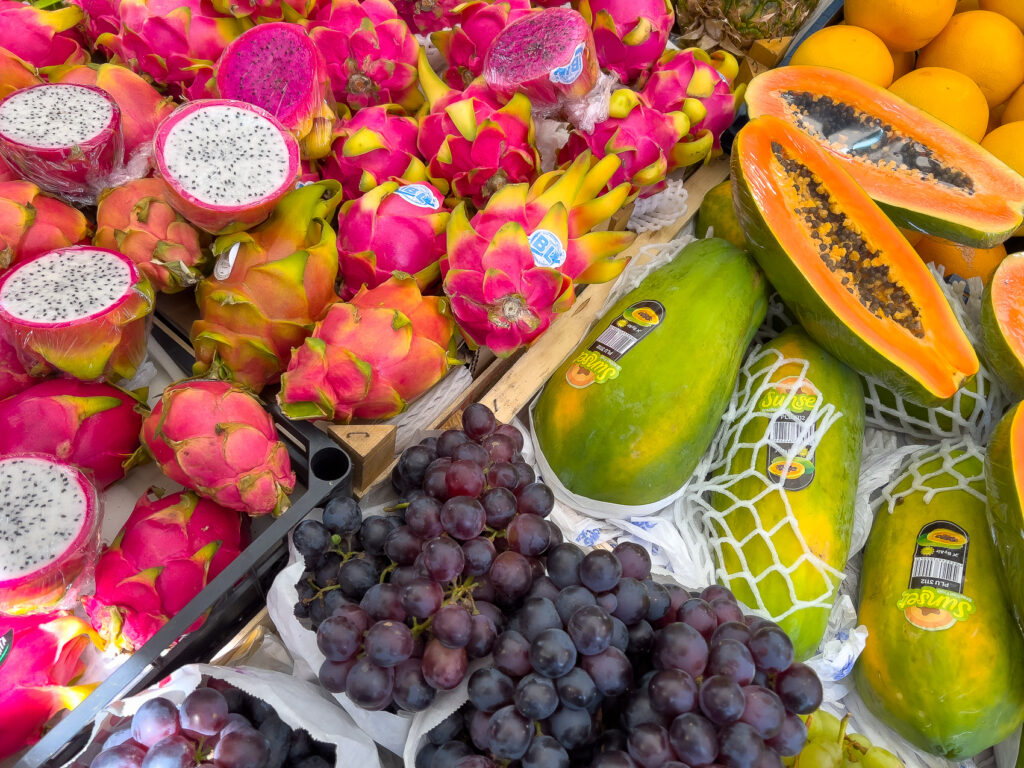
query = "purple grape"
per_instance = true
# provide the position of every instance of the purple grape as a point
(726, 609)
(791, 738)
(556, 536)
(638, 710)
(771, 648)
(721, 700)
(338, 639)
(204, 711)
(680, 646)
(552, 653)
(577, 690)
(125, 755)
(545, 752)
(463, 517)
(694, 739)
(423, 516)
(799, 689)
(499, 447)
(717, 591)
(543, 587)
(636, 561)
(443, 668)
(465, 478)
(614, 758)
(536, 697)
(383, 602)
(649, 746)
(356, 577)
(511, 575)
(536, 615)
(677, 596)
(641, 639)
(513, 432)
(502, 474)
(155, 720)
(388, 643)
(525, 473)
(528, 534)
(452, 626)
(118, 737)
(447, 730)
(333, 675)
(731, 658)
(479, 553)
(600, 570)
(631, 601)
(571, 727)
(482, 636)
(369, 686)
(762, 711)
(731, 630)
(490, 689)
(739, 746)
(536, 499)
(342, 515)
(509, 733)
(471, 452)
(512, 654)
(478, 421)
(477, 728)
(449, 753)
(572, 598)
(499, 507)
(672, 692)
(590, 628)
(177, 752)
(448, 440)
(443, 559)
(422, 598)
(610, 670)
(474, 761)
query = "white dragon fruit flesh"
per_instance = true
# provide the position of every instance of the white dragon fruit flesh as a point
(78, 310)
(64, 138)
(226, 163)
(49, 533)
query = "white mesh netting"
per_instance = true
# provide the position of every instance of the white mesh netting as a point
(659, 210)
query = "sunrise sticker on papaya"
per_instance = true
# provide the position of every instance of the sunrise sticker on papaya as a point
(792, 402)
(599, 363)
(934, 599)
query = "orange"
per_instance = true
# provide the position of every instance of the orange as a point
(963, 6)
(1014, 108)
(950, 96)
(851, 49)
(986, 47)
(961, 259)
(1007, 143)
(1011, 9)
(904, 25)
(903, 62)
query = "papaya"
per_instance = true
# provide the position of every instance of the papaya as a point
(925, 175)
(628, 415)
(716, 213)
(843, 269)
(944, 660)
(809, 511)
(1002, 323)
(1004, 471)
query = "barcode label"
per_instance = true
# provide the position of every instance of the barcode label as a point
(934, 568)
(785, 431)
(615, 339)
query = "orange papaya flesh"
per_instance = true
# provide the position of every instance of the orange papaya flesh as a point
(843, 268)
(1004, 472)
(1002, 323)
(925, 175)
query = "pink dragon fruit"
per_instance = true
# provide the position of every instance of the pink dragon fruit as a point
(50, 535)
(425, 16)
(13, 376)
(7, 173)
(368, 358)
(376, 145)
(142, 107)
(689, 81)
(39, 674)
(371, 54)
(137, 220)
(42, 38)
(266, 10)
(79, 310)
(464, 46)
(32, 223)
(548, 56)
(475, 142)
(226, 163)
(101, 17)
(64, 138)
(278, 67)
(395, 228)
(15, 73)
(167, 551)
(215, 438)
(630, 35)
(91, 425)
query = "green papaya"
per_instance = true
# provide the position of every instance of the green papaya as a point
(815, 493)
(944, 660)
(1004, 471)
(628, 415)
(716, 213)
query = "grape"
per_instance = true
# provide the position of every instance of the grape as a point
(600, 570)
(571, 727)
(536, 567)
(423, 516)
(342, 514)
(425, 755)
(311, 538)
(511, 431)
(762, 711)
(402, 545)
(491, 611)
(481, 637)
(536, 499)
(448, 754)
(771, 648)
(731, 658)
(552, 653)
(326, 572)
(118, 737)
(356, 577)
(383, 602)
(544, 587)
(590, 628)
(672, 692)
(512, 654)
(658, 600)
(499, 507)
(577, 690)
(388, 643)
(483, 590)
(448, 440)
(731, 630)
(443, 668)
(525, 473)
(680, 646)
(490, 689)
(499, 447)
(126, 755)
(536, 615)
(474, 761)
(334, 600)
(528, 534)
(451, 626)
(693, 739)
(607, 601)
(756, 622)
(479, 554)
(465, 478)
(422, 598)
(334, 674)
(613, 759)
(677, 596)
(471, 452)
(572, 598)
(726, 609)
(155, 720)
(536, 697)
(447, 730)
(620, 635)
(739, 746)
(556, 536)
(770, 759)
(502, 475)
(435, 482)
(545, 752)
(632, 602)
(638, 710)
(511, 575)
(203, 712)
(478, 421)
(443, 559)
(463, 517)
(412, 465)
(636, 561)
(176, 752)
(509, 733)
(477, 728)
(717, 591)
(368, 685)
(721, 700)
(649, 746)
(799, 689)
(374, 532)
(610, 670)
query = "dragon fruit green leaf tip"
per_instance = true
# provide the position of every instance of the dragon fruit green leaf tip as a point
(49, 535)
(226, 163)
(65, 138)
(79, 310)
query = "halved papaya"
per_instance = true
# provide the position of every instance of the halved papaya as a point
(1002, 323)
(844, 269)
(1004, 473)
(924, 174)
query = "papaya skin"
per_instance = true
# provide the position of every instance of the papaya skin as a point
(1003, 342)
(716, 212)
(1004, 472)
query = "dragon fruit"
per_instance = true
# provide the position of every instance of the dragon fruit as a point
(215, 438)
(49, 533)
(7, 173)
(13, 376)
(32, 223)
(688, 81)
(271, 285)
(101, 17)
(91, 425)
(226, 163)
(39, 674)
(369, 357)
(278, 67)
(425, 16)
(629, 35)
(42, 38)
(393, 228)
(137, 220)
(64, 138)
(464, 46)
(266, 10)
(370, 52)
(79, 310)
(15, 73)
(475, 142)
(548, 56)
(167, 551)
(142, 107)
(377, 144)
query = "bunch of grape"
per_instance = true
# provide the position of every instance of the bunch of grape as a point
(830, 746)
(213, 728)
(604, 667)
(401, 603)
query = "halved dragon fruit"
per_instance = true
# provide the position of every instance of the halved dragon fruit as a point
(65, 138)
(49, 533)
(549, 56)
(78, 310)
(226, 163)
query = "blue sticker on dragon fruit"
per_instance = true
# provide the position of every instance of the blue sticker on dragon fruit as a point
(419, 195)
(547, 249)
(6, 643)
(569, 73)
